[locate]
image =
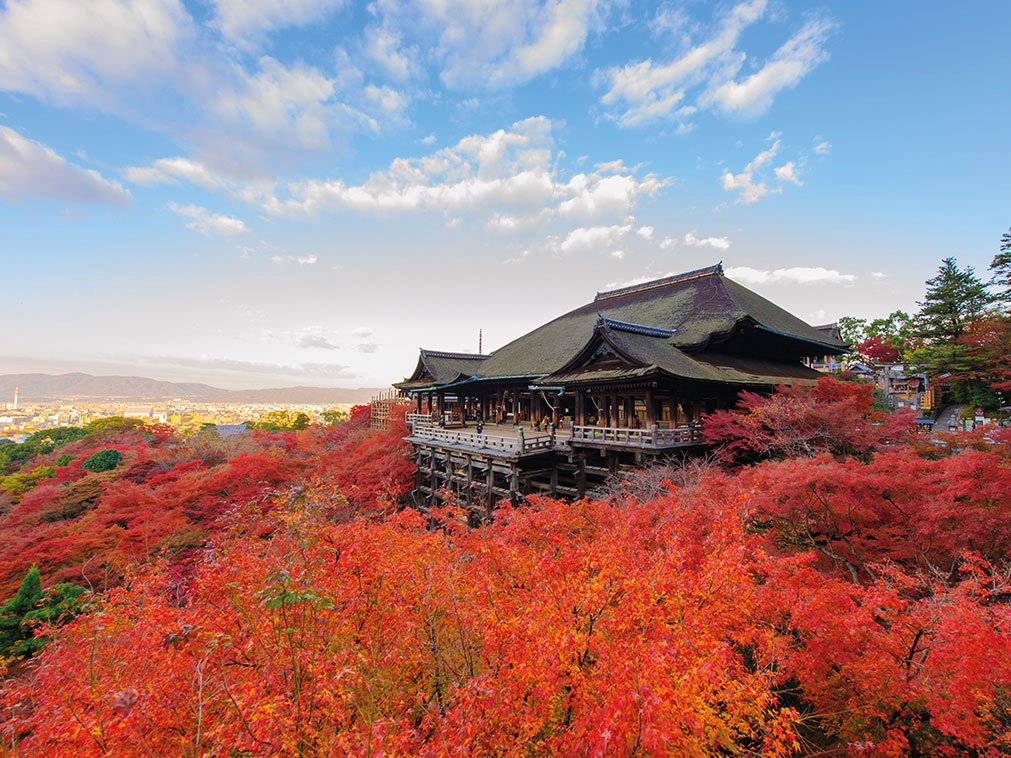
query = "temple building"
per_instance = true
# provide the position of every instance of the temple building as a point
(615, 382)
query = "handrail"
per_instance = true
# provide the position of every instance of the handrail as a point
(653, 437)
(521, 443)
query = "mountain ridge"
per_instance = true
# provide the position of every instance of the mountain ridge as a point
(79, 386)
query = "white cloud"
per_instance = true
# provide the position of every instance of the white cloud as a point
(718, 243)
(245, 21)
(385, 47)
(30, 169)
(645, 91)
(68, 50)
(493, 43)
(301, 260)
(280, 103)
(390, 101)
(788, 65)
(506, 176)
(619, 254)
(585, 239)
(209, 223)
(170, 170)
(788, 173)
(646, 232)
(795, 275)
(822, 146)
(668, 243)
(429, 140)
(878, 275)
(744, 181)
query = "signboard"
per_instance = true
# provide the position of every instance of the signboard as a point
(980, 418)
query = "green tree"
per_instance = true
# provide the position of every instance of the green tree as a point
(1001, 268)
(112, 425)
(954, 300)
(334, 416)
(280, 421)
(31, 605)
(103, 460)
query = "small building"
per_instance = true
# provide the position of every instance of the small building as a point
(618, 381)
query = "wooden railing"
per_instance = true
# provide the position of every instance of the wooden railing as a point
(422, 419)
(520, 444)
(652, 438)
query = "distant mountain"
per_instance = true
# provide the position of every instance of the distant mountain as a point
(86, 386)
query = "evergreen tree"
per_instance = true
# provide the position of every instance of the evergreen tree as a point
(1001, 268)
(30, 605)
(954, 300)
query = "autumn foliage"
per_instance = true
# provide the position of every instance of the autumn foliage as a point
(847, 594)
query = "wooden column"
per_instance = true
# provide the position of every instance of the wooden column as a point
(650, 407)
(579, 419)
(470, 480)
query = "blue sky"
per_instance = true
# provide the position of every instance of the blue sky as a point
(274, 192)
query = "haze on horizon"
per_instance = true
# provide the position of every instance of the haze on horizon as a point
(303, 192)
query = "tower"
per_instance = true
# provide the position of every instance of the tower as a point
(16, 390)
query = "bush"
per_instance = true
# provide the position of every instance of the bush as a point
(103, 460)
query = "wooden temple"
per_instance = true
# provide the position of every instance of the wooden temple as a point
(616, 382)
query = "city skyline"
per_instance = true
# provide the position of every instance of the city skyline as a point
(254, 194)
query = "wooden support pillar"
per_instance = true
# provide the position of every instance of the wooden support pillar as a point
(581, 476)
(554, 480)
(489, 494)
(470, 480)
(433, 479)
(579, 417)
(514, 484)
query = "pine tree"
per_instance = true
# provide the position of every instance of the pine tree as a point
(1001, 268)
(953, 301)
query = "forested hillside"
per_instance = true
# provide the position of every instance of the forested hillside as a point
(832, 585)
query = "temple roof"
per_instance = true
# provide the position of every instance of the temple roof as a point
(436, 368)
(637, 352)
(697, 308)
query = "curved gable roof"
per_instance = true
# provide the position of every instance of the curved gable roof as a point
(694, 307)
(436, 367)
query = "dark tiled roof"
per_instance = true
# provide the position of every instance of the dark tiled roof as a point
(437, 368)
(646, 354)
(695, 307)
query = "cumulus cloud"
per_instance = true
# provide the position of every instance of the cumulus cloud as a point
(494, 43)
(753, 95)
(717, 243)
(668, 242)
(30, 169)
(244, 21)
(208, 223)
(646, 232)
(703, 74)
(788, 173)
(750, 191)
(794, 275)
(585, 239)
(506, 177)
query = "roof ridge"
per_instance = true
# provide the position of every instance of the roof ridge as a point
(628, 326)
(696, 274)
(443, 354)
